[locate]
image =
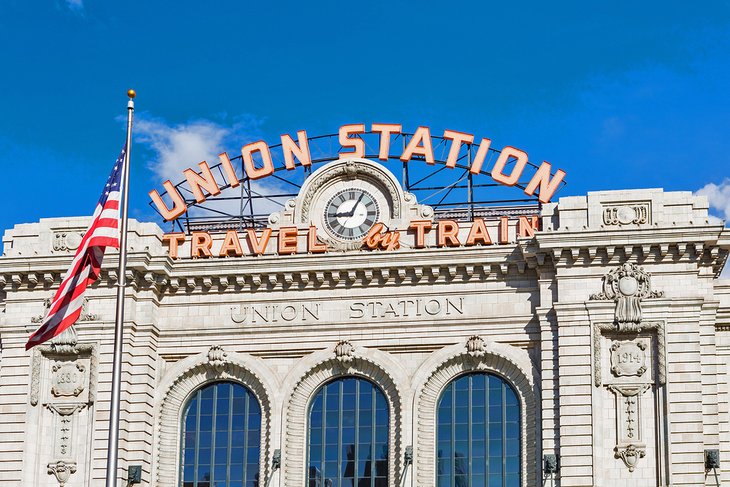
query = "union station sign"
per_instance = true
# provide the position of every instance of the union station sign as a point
(353, 202)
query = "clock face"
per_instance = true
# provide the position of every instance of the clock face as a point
(350, 213)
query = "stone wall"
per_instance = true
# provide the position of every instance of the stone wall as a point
(547, 313)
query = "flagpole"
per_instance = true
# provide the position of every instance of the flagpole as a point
(113, 444)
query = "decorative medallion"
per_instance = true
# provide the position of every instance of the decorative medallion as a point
(628, 358)
(67, 241)
(626, 214)
(68, 379)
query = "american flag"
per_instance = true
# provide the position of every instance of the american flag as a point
(103, 232)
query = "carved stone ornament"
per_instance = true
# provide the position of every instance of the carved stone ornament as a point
(65, 342)
(85, 315)
(217, 357)
(628, 358)
(637, 213)
(630, 446)
(630, 455)
(39, 318)
(67, 240)
(62, 471)
(475, 346)
(68, 379)
(627, 285)
(344, 351)
(65, 346)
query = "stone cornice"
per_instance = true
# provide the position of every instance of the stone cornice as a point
(163, 275)
(707, 245)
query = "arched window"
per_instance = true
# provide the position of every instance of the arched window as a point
(221, 437)
(478, 433)
(348, 435)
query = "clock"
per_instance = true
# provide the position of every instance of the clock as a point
(350, 213)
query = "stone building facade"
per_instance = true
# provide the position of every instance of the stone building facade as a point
(609, 325)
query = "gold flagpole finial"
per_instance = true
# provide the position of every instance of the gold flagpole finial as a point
(131, 94)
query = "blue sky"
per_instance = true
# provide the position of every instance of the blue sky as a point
(626, 95)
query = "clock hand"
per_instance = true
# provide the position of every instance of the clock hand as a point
(354, 207)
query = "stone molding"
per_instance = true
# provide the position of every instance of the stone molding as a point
(476, 355)
(187, 376)
(342, 360)
(336, 270)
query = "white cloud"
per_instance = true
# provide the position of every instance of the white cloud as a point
(75, 5)
(719, 197)
(182, 146)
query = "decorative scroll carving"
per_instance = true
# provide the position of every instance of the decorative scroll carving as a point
(628, 358)
(637, 213)
(627, 285)
(85, 315)
(62, 471)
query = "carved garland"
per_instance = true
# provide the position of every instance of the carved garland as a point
(476, 357)
(213, 367)
(343, 362)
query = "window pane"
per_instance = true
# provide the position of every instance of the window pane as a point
(352, 448)
(478, 433)
(220, 432)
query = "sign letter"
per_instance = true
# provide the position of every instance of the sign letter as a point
(355, 142)
(456, 138)
(547, 186)
(178, 203)
(420, 144)
(504, 156)
(204, 180)
(385, 130)
(292, 150)
(268, 166)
